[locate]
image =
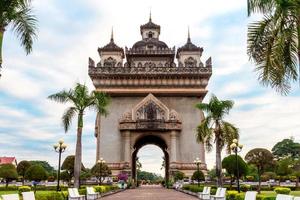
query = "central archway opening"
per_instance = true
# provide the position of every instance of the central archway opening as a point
(148, 141)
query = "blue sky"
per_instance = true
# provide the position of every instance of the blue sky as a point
(70, 33)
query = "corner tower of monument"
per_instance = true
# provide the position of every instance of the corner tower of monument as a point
(153, 101)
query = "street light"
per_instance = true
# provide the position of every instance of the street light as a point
(100, 162)
(198, 162)
(60, 147)
(236, 148)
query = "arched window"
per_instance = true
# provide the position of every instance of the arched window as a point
(190, 62)
(110, 62)
(150, 35)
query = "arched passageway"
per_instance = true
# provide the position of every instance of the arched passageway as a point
(145, 140)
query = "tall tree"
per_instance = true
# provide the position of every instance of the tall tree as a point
(8, 172)
(100, 170)
(68, 166)
(274, 42)
(229, 163)
(262, 159)
(22, 168)
(18, 15)
(214, 128)
(286, 147)
(49, 169)
(81, 99)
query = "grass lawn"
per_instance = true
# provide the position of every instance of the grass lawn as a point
(273, 194)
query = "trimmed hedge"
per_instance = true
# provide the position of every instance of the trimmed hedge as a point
(9, 188)
(193, 188)
(231, 195)
(24, 189)
(50, 196)
(282, 190)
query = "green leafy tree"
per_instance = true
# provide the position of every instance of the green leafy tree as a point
(178, 175)
(17, 14)
(148, 176)
(283, 167)
(212, 175)
(229, 163)
(81, 99)
(65, 176)
(262, 159)
(100, 170)
(22, 168)
(68, 166)
(215, 129)
(286, 148)
(8, 172)
(49, 169)
(198, 175)
(274, 42)
(36, 173)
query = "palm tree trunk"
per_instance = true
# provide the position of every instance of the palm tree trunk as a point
(218, 162)
(1, 42)
(259, 180)
(78, 151)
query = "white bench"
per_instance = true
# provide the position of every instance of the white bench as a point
(10, 197)
(91, 194)
(74, 194)
(250, 195)
(221, 195)
(28, 196)
(205, 194)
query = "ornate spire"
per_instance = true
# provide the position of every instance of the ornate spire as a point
(150, 16)
(112, 34)
(189, 36)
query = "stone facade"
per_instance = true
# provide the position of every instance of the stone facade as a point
(153, 101)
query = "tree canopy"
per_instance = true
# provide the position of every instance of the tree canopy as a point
(178, 175)
(68, 165)
(198, 175)
(229, 163)
(49, 169)
(286, 147)
(36, 173)
(8, 172)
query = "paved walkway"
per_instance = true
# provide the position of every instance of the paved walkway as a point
(149, 193)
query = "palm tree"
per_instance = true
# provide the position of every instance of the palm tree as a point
(274, 42)
(81, 99)
(18, 14)
(213, 128)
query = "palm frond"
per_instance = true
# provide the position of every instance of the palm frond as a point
(205, 133)
(61, 97)
(99, 102)
(24, 23)
(67, 117)
(229, 132)
(261, 6)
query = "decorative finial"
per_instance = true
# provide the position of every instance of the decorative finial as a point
(112, 34)
(189, 36)
(150, 16)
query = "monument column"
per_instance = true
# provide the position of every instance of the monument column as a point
(173, 146)
(126, 135)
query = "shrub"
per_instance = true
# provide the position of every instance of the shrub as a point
(240, 196)
(231, 195)
(269, 198)
(24, 189)
(50, 196)
(245, 188)
(250, 178)
(282, 190)
(9, 188)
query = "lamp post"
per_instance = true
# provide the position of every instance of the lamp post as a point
(236, 147)
(100, 162)
(60, 147)
(198, 162)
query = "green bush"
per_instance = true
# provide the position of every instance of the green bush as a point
(260, 197)
(50, 196)
(269, 198)
(240, 196)
(105, 188)
(282, 190)
(231, 195)
(24, 189)
(245, 188)
(82, 191)
(9, 188)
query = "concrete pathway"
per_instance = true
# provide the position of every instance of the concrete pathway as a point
(149, 193)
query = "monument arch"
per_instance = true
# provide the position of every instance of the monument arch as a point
(152, 101)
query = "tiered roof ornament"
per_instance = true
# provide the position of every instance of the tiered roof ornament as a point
(111, 46)
(189, 46)
(150, 25)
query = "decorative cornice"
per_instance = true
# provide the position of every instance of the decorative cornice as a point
(186, 166)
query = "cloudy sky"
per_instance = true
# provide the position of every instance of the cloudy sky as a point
(71, 31)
